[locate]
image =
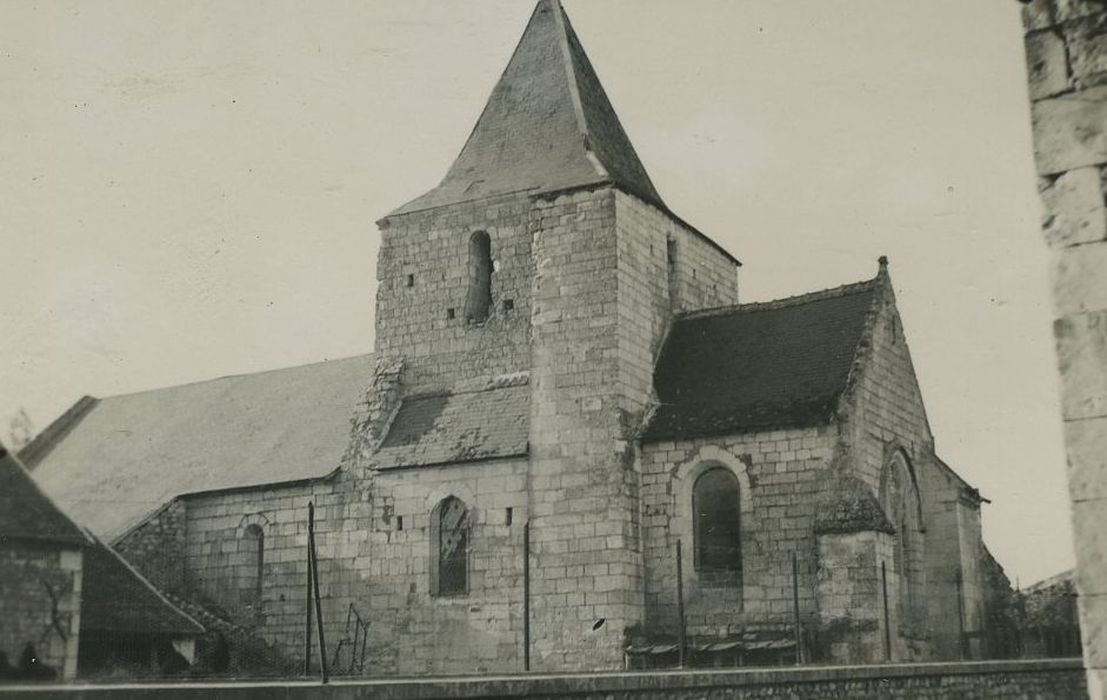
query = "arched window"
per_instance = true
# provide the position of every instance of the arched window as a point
(251, 550)
(717, 521)
(901, 504)
(450, 548)
(479, 301)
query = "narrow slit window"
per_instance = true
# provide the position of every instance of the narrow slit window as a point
(411, 280)
(451, 548)
(479, 301)
(252, 557)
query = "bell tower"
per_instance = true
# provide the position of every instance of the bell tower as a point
(546, 252)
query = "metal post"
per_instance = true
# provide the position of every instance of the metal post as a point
(680, 602)
(307, 630)
(318, 602)
(796, 608)
(961, 619)
(526, 595)
(887, 617)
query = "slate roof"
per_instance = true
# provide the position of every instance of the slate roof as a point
(759, 366)
(26, 513)
(116, 598)
(129, 455)
(548, 126)
(460, 427)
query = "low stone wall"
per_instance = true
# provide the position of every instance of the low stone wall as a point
(1048, 678)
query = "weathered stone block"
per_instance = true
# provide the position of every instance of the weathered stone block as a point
(1079, 279)
(1093, 629)
(1069, 131)
(1086, 444)
(1046, 64)
(1068, 10)
(1038, 14)
(1087, 48)
(1073, 209)
(1089, 519)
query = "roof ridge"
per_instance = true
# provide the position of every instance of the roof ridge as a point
(34, 451)
(239, 375)
(785, 302)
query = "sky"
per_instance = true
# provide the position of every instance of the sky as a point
(190, 189)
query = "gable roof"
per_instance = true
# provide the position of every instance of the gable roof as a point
(129, 455)
(760, 366)
(116, 598)
(461, 427)
(26, 513)
(548, 126)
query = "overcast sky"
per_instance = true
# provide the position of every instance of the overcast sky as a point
(189, 189)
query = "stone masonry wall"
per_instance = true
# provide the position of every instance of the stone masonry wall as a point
(779, 475)
(851, 587)
(216, 555)
(416, 633)
(433, 248)
(701, 278)
(582, 484)
(40, 603)
(157, 548)
(884, 413)
(1066, 51)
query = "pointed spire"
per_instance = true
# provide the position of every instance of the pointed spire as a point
(547, 126)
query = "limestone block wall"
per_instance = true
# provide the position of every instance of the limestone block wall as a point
(652, 287)
(423, 273)
(40, 603)
(414, 632)
(583, 487)
(1066, 51)
(220, 569)
(778, 473)
(157, 548)
(851, 586)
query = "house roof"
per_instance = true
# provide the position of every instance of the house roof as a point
(548, 126)
(129, 455)
(460, 427)
(27, 513)
(116, 598)
(760, 366)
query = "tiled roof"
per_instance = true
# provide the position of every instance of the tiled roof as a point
(116, 598)
(460, 427)
(759, 366)
(129, 455)
(26, 512)
(548, 126)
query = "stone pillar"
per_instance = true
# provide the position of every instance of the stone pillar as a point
(1066, 49)
(850, 594)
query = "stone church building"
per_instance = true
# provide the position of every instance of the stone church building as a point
(557, 353)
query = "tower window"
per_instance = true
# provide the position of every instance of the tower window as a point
(450, 548)
(450, 314)
(479, 301)
(251, 550)
(717, 531)
(411, 280)
(509, 304)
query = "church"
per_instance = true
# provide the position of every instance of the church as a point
(573, 448)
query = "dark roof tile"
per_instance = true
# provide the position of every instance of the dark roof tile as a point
(28, 513)
(759, 366)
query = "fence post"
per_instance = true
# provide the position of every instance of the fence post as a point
(310, 583)
(318, 602)
(796, 609)
(887, 616)
(680, 603)
(526, 595)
